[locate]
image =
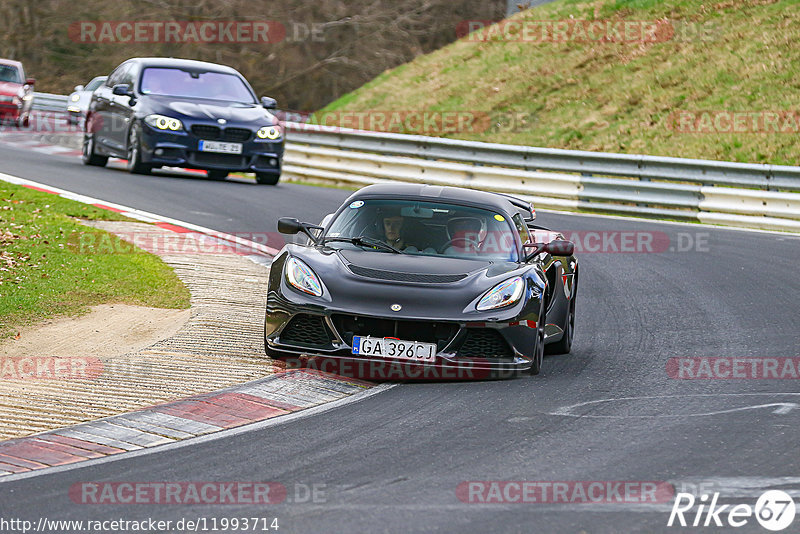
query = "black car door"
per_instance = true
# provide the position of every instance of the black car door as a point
(102, 122)
(121, 109)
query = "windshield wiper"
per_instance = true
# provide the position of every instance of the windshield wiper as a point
(362, 241)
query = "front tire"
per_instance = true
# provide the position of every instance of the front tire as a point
(564, 345)
(88, 154)
(217, 175)
(538, 353)
(135, 165)
(267, 178)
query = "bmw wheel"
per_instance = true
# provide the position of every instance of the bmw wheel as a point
(267, 178)
(135, 165)
(217, 175)
(88, 154)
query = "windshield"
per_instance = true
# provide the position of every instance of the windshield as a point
(181, 83)
(9, 74)
(94, 84)
(425, 228)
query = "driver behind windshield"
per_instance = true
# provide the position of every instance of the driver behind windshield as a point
(403, 233)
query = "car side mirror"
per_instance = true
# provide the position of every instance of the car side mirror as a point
(559, 247)
(291, 226)
(122, 90)
(30, 81)
(78, 88)
(269, 102)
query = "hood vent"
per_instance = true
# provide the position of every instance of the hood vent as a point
(406, 277)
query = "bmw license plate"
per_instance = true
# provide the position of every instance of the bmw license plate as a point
(222, 148)
(394, 348)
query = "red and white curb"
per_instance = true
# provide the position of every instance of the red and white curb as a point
(238, 406)
(167, 223)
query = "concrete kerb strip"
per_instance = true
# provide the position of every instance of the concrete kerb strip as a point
(200, 415)
(197, 415)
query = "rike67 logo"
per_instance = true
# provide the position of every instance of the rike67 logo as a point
(774, 510)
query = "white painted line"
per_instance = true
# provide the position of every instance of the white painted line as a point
(780, 408)
(275, 421)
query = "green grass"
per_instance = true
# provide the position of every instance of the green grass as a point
(616, 97)
(43, 275)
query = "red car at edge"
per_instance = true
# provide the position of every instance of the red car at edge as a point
(16, 93)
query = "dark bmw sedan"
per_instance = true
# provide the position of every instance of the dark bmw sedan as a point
(157, 112)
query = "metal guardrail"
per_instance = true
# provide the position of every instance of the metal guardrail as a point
(717, 192)
(49, 102)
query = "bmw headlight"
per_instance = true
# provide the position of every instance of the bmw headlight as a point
(503, 294)
(302, 277)
(269, 132)
(160, 122)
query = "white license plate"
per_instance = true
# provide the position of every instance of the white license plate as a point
(394, 348)
(223, 148)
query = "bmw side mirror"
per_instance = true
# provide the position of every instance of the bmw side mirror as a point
(30, 81)
(78, 88)
(122, 90)
(269, 102)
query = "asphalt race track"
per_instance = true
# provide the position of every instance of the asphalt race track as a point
(393, 461)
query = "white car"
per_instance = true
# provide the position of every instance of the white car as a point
(78, 101)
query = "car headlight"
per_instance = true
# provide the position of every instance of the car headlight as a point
(302, 277)
(269, 132)
(75, 97)
(160, 122)
(503, 294)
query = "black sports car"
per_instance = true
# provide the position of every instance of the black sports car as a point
(158, 112)
(403, 278)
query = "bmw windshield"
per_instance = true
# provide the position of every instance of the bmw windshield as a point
(425, 229)
(180, 83)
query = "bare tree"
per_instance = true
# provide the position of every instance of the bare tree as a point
(330, 47)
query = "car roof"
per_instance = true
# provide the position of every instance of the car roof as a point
(11, 62)
(486, 199)
(182, 64)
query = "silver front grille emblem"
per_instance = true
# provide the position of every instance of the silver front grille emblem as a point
(396, 307)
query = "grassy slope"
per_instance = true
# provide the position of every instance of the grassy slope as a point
(41, 275)
(618, 97)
